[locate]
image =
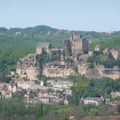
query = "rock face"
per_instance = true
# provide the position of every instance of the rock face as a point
(82, 69)
(113, 73)
(28, 68)
(56, 69)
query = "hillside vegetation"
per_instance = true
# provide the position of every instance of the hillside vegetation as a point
(113, 42)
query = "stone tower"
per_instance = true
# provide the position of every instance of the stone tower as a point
(43, 47)
(79, 45)
(67, 48)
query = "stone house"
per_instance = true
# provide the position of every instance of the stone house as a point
(106, 51)
(114, 52)
(97, 48)
(115, 94)
(5, 92)
(93, 101)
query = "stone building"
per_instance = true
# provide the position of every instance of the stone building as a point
(79, 45)
(115, 53)
(97, 48)
(113, 73)
(43, 47)
(115, 94)
(93, 101)
(76, 46)
(67, 48)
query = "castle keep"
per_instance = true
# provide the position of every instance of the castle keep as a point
(75, 46)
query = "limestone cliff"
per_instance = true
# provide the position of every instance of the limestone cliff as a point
(56, 69)
(28, 68)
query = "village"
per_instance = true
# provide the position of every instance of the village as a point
(51, 92)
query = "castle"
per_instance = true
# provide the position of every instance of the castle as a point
(75, 46)
(29, 67)
(70, 60)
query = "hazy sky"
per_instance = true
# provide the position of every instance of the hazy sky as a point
(97, 15)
